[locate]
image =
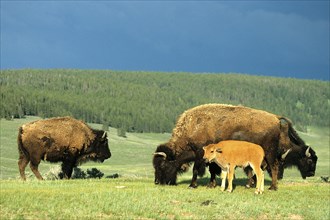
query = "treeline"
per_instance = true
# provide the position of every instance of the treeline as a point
(152, 101)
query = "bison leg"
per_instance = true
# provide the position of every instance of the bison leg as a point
(251, 178)
(198, 169)
(280, 171)
(273, 169)
(67, 169)
(193, 183)
(22, 163)
(34, 168)
(214, 170)
(34, 163)
(213, 182)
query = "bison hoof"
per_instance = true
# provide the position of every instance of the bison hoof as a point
(273, 188)
(211, 185)
(192, 186)
(250, 185)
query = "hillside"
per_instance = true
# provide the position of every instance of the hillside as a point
(151, 101)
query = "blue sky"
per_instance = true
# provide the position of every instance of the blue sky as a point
(273, 38)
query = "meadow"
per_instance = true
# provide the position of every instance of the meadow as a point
(134, 196)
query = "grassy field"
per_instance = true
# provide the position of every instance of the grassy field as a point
(138, 198)
(134, 196)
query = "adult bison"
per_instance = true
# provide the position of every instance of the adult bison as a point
(60, 139)
(211, 123)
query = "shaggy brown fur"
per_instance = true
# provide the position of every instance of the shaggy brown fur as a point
(61, 129)
(211, 123)
(207, 123)
(60, 139)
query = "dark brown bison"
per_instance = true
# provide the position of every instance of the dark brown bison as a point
(60, 139)
(211, 123)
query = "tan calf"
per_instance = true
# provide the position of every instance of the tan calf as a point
(229, 154)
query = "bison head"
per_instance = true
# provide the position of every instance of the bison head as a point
(166, 168)
(303, 157)
(307, 162)
(98, 150)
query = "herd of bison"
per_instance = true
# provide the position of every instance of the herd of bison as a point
(216, 136)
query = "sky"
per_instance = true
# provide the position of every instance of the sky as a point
(270, 38)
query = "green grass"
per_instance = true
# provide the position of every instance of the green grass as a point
(134, 195)
(139, 198)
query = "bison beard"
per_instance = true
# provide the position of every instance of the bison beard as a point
(167, 166)
(60, 139)
(167, 173)
(211, 123)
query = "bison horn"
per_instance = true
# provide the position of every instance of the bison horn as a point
(104, 134)
(285, 154)
(307, 152)
(161, 154)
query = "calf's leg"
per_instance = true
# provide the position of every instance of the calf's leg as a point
(223, 180)
(262, 187)
(231, 173)
(260, 180)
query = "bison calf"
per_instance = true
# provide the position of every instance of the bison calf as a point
(229, 154)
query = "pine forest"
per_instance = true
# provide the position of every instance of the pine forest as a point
(151, 101)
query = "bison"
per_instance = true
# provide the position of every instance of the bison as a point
(211, 123)
(229, 154)
(64, 139)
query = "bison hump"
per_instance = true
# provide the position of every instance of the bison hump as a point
(63, 131)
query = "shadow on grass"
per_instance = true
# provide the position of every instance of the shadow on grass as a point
(204, 181)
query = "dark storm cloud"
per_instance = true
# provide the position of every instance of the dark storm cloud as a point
(269, 38)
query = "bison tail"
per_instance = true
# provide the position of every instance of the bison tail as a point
(21, 149)
(292, 133)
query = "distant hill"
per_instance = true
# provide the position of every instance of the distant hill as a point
(151, 101)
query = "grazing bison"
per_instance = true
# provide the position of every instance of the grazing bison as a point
(229, 154)
(211, 123)
(60, 139)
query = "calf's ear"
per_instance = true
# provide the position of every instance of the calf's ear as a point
(218, 150)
